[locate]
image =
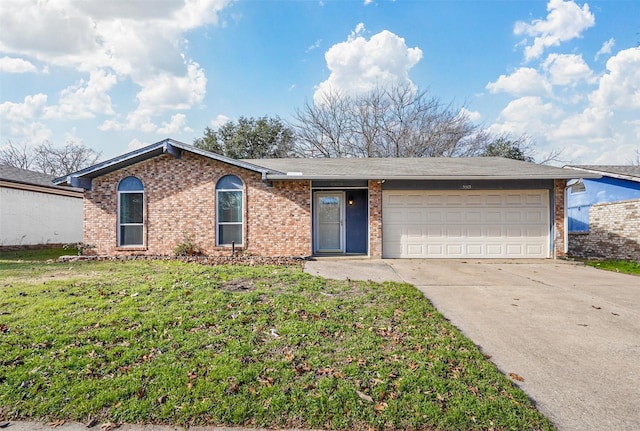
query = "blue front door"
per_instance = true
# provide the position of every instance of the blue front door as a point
(357, 225)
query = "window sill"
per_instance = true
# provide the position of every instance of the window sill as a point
(131, 248)
(583, 232)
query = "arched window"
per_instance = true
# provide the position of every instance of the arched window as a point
(130, 212)
(229, 211)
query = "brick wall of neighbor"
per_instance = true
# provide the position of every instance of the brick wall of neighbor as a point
(614, 232)
(375, 219)
(558, 217)
(180, 198)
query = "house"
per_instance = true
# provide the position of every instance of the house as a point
(604, 213)
(149, 200)
(34, 211)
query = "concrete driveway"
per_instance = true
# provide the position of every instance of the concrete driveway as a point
(572, 332)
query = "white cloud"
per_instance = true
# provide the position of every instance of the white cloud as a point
(32, 107)
(135, 144)
(471, 115)
(567, 69)
(592, 123)
(359, 65)
(86, 99)
(525, 81)
(166, 91)
(140, 120)
(528, 108)
(177, 124)
(315, 45)
(620, 87)
(131, 41)
(607, 47)
(16, 65)
(565, 21)
(220, 120)
(22, 119)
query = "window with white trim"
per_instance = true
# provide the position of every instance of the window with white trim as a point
(130, 212)
(229, 226)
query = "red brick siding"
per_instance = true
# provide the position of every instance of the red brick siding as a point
(375, 219)
(180, 198)
(558, 218)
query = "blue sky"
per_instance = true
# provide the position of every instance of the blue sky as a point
(121, 74)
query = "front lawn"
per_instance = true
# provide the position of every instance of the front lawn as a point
(188, 344)
(624, 266)
(38, 253)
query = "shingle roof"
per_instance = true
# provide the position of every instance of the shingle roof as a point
(627, 172)
(353, 168)
(24, 176)
(432, 168)
(165, 146)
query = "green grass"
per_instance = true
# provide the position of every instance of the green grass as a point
(186, 344)
(37, 254)
(624, 266)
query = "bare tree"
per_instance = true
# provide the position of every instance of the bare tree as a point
(395, 121)
(635, 161)
(46, 158)
(18, 156)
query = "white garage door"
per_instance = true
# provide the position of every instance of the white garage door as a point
(462, 224)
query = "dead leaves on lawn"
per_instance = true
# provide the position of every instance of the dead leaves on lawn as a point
(516, 377)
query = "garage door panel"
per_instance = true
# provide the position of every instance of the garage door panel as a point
(514, 232)
(474, 250)
(454, 250)
(453, 232)
(534, 216)
(474, 232)
(434, 216)
(494, 250)
(466, 224)
(513, 216)
(413, 216)
(452, 200)
(473, 216)
(435, 232)
(534, 199)
(493, 216)
(515, 250)
(493, 232)
(414, 232)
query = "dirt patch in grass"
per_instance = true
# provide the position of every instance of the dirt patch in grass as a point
(239, 285)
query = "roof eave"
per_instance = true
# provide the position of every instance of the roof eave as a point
(605, 174)
(279, 177)
(167, 146)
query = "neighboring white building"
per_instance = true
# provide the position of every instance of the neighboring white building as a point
(34, 211)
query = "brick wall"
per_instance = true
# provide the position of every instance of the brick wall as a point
(179, 197)
(614, 232)
(375, 219)
(558, 217)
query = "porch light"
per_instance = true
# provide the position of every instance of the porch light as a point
(350, 200)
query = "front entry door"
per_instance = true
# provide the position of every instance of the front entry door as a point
(329, 226)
